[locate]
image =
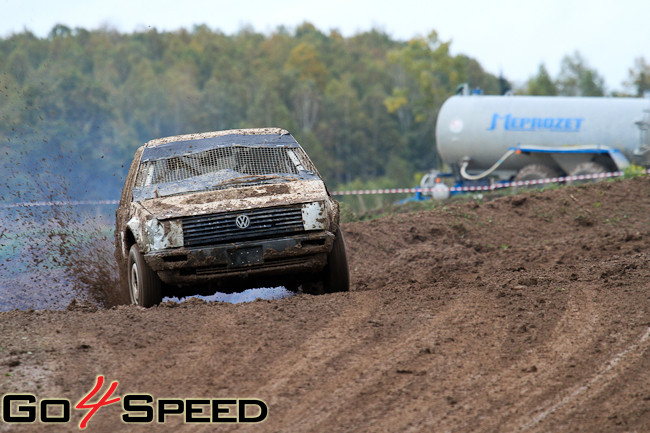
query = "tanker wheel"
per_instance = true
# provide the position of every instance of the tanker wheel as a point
(145, 287)
(587, 168)
(534, 172)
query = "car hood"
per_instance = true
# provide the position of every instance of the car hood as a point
(233, 199)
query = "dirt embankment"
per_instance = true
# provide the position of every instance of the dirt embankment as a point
(530, 313)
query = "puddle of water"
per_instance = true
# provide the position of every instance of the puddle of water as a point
(250, 295)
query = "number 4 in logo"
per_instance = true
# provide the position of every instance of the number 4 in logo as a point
(103, 401)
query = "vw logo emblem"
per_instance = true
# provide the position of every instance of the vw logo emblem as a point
(242, 221)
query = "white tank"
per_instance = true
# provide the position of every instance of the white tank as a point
(484, 128)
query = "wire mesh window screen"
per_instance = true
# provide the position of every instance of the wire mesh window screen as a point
(242, 160)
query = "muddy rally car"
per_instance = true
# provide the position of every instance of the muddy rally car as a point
(226, 211)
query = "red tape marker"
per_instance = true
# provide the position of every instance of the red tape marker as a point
(492, 187)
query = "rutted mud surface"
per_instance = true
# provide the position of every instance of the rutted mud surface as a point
(530, 313)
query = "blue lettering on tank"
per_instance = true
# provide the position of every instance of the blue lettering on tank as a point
(531, 124)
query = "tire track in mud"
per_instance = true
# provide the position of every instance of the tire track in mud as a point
(317, 358)
(353, 387)
(465, 335)
(578, 395)
(570, 335)
(365, 377)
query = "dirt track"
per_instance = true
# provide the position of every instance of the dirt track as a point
(530, 313)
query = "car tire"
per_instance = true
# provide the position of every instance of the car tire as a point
(145, 287)
(336, 276)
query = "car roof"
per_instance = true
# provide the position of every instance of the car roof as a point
(202, 135)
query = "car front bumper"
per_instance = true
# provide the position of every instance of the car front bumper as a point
(286, 256)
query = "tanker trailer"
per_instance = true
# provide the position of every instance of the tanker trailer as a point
(535, 137)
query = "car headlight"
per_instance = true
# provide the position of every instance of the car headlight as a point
(314, 216)
(164, 234)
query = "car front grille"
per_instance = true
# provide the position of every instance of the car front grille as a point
(200, 230)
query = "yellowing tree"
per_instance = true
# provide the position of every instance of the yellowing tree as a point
(304, 61)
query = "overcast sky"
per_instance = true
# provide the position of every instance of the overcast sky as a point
(509, 36)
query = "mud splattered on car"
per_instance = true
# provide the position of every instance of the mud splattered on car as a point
(226, 210)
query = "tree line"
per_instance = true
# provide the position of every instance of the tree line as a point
(75, 105)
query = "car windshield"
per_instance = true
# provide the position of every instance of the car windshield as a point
(222, 167)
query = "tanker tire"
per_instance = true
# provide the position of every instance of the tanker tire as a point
(145, 287)
(534, 172)
(587, 168)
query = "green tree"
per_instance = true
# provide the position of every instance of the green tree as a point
(425, 74)
(578, 79)
(639, 77)
(541, 84)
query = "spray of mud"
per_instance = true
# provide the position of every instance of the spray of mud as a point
(90, 265)
(53, 254)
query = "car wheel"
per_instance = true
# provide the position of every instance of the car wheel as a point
(336, 273)
(336, 276)
(145, 287)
